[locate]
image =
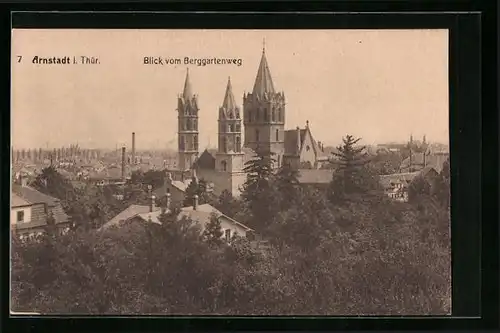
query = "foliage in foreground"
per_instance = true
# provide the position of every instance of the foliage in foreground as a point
(341, 251)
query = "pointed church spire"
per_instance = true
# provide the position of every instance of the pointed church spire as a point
(188, 91)
(229, 101)
(263, 81)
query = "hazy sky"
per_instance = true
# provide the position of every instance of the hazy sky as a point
(381, 85)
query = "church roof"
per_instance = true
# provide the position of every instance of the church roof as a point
(188, 91)
(206, 160)
(291, 144)
(292, 147)
(263, 81)
(229, 104)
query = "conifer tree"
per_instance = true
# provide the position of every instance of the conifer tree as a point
(352, 175)
(258, 193)
(213, 231)
(286, 182)
(199, 188)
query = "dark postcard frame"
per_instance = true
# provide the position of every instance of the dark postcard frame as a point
(473, 136)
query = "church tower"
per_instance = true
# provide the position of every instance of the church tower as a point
(264, 115)
(229, 157)
(187, 108)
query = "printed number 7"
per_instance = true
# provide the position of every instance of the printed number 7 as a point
(19, 58)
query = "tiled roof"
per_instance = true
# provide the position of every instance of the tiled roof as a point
(315, 176)
(153, 217)
(203, 213)
(229, 107)
(434, 160)
(291, 144)
(59, 215)
(206, 160)
(128, 213)
(188, 90)
(263, 82)
(17, 201)
(33, 196)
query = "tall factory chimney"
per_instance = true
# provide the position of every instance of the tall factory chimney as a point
(133, 148)
(123, 163)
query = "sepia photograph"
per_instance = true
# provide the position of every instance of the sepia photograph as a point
(230, 172)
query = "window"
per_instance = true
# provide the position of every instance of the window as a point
(308, 148)
(227, 234)
(277, 135)
(195, 139)
(238, 128)
(182, 143)
(249, 116)
(189, 125)
(238, 144)
(195, 125)
(266, 115)
(279, 158)
(223, 165)
(257, 135)
(257, 115)
(224, 144)
(273, 115)
(279, 115)
(20, 216)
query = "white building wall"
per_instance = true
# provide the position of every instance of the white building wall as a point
(13, 214)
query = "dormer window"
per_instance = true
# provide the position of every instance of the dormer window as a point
(308, 148)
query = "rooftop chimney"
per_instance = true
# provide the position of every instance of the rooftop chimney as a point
(151, 198)
(123, 163)
(23, 181)
(195, 202)
(133, 147)
(167, 204)
(168, 181)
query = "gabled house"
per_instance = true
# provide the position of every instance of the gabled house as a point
(31, 211)
(396, 185)
(200, 214)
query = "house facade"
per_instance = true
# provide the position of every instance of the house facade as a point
(32, 211)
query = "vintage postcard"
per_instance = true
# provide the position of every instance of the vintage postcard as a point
(230, 172)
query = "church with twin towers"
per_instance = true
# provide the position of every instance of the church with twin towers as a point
(263, 115)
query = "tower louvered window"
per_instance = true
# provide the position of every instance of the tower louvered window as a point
(238, 144)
